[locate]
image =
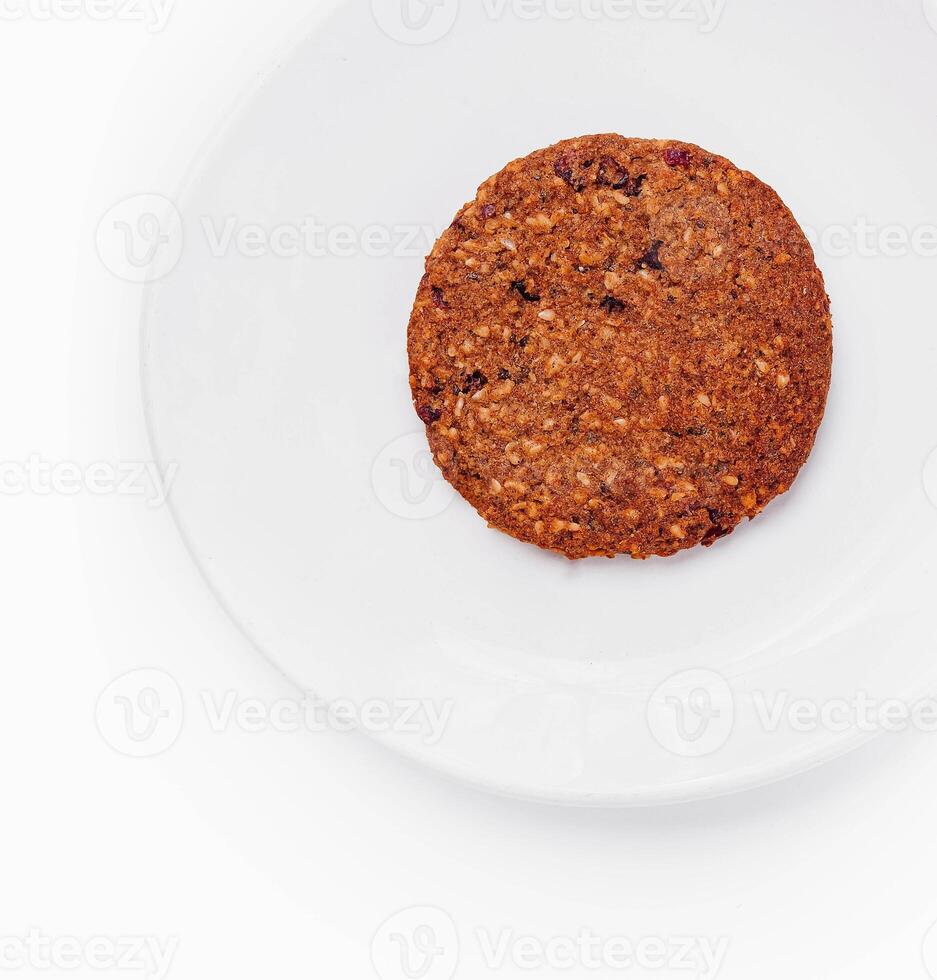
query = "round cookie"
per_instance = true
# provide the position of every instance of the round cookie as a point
(621, 346)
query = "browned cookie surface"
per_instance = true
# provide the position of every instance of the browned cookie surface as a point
(621, 346)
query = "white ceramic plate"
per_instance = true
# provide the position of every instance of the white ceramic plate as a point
(277, 378)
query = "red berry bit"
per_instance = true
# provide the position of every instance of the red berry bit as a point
(611, 174)
(439, 299)
(428, 414)
(652, 257)
(677, 158)
(563, 168)
(612, 305)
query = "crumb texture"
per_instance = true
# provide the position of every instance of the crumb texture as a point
(621, 346)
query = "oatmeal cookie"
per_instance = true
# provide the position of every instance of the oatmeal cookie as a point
(621, 346)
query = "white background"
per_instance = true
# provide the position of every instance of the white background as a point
(282, 855)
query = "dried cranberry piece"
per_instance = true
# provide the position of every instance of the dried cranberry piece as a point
(563, 168)
(651, 258)
(717, 530)
(474, 382)
(612, 305)
(677, 158)
(612, 174)
(634, 185)
(439, 299)
(521, 287)
(487, 211)
(428, 414)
